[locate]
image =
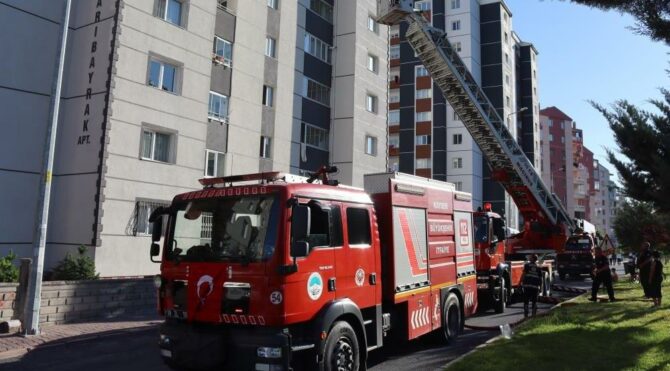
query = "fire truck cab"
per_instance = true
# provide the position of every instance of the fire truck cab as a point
(263, 273)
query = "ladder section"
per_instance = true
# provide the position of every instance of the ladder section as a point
(510, 165)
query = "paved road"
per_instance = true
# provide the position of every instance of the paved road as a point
(138, 351)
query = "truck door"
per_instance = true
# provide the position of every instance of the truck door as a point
(356, 260)
(309, 286)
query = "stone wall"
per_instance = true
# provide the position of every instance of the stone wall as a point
(71, 301)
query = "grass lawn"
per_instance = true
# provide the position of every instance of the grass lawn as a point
(625, 335)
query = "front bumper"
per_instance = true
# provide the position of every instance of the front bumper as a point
(205, 347)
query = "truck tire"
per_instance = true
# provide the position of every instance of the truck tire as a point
(341, 352)
(451, 318)
(501, 300)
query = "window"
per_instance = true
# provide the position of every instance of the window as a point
(322, 8)
(370, 145)
(394, 96)
(268, 95)
(506, 38)
(394, 141)
(424, 93)
(421, 71)
(223, 51)
(274, 4)
(506, 58)
(266, 147)
(459, 186)
(394, 51)
(455, 4)
(314, 136)
(325, 225)
(456, 116)
(551, 138)
(456, 25)
(318, 48)
(169, 10)
(562, 139)
(507, 79)
(551, 123)
(394, 117)
(422, 140)
(457, 163)
(458, 138)
(358, 226)
(317, 92)
(422, 5)
(143, 210)
(508, 103)
(270, 47)
(371, 103)
(372, 63)
(394, 167)
(372, 24)
(423, 116)
(422, 163)
(155, 146)
(218, 106)
(457, 46)
(162, 75)
(562, 124)
(214, 162)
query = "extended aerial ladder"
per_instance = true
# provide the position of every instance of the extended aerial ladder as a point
(544, 216)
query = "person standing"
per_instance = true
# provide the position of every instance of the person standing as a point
(530, 280)
(655, 278)
(643, 266)
(601, 275)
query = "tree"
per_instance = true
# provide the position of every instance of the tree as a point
(637, 222)
(644, 139)
(653, 16)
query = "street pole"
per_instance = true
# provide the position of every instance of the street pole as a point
(35, 286)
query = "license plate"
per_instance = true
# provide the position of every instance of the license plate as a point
(166, 353)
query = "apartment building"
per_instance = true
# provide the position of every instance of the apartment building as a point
(604, 201)
(557, 137)
(159, 93)
(426, 137)
(583, 180)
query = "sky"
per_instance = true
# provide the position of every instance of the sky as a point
(589, 54)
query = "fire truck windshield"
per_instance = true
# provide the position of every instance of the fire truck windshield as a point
(579, 244)
(481, 228)
(237, 229)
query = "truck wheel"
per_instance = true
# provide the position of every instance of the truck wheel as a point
(341, 352)
(501, 299)
(451, 318)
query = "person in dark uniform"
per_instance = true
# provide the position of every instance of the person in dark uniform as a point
(601, 275)
(643, 265)
(655, 278)
(531, 279)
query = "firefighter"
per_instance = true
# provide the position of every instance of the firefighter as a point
(644, 264)
(601, 275)
(531, 280)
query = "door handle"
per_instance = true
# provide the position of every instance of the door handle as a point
(373, 278)
(331, 284)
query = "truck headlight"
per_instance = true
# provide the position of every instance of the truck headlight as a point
(268, 352)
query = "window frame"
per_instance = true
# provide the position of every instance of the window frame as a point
(373, 63)
(162, 62)
(322, 51)
(392, 52)
(218, 117)
(273, 4)
(455, 4)
(268, 96)
(164, 16)
(270, 47)
(221, 58)
(371, 103)
(395, 113)
(265, 147)
(423, 93)
(149, 206)
(421, 68)
(218, 156)
(355, 222)
(371, 144)
(427, 163)
(458, 136)
(456, 25)
(152, 150)
(372, 25)
(422, 140)
(429, 115)
(316, 131)
(317, 87)
(318, 12)
(457, 162)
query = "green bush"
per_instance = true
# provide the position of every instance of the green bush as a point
(8, 271)
(77, 268)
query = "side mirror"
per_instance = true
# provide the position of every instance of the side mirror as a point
(300, 223)
(299, 249)
(157, 231)
(154, 251)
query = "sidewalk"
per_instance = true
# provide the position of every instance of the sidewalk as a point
(15, 345)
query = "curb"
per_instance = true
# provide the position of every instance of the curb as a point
(16, 352)
(496, 338)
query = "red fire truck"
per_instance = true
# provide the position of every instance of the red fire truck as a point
(260, 272)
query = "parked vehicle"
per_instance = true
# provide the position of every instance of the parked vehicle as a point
(277, 274)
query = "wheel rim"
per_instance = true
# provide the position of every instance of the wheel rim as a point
(343, 359)
(452, 319)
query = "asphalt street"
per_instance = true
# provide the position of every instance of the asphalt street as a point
(138, 351)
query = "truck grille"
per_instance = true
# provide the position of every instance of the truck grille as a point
(236, 298)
